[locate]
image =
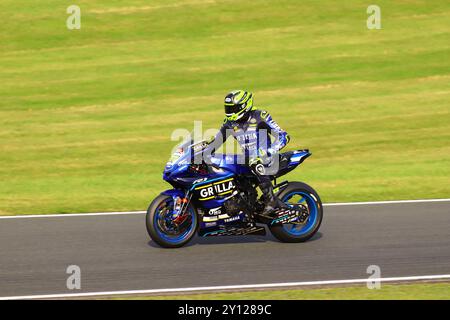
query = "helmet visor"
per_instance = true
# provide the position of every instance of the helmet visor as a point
(232, 109)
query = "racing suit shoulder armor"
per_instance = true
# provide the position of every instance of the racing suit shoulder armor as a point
(260, 114)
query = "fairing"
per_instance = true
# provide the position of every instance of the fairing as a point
(210, 189)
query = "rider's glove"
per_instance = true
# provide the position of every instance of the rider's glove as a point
(267, 153)
(257, 166)
(255, 161)
(271, 151)
(262, 152)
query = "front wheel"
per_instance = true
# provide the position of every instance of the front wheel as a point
(299, 193)
(161, 226)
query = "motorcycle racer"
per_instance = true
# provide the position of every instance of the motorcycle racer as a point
(252, 128)
(217, 195)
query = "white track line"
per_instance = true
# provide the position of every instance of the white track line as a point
(221, 288)
(93, 214)
(383, 202)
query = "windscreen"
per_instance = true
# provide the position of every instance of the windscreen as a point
(186, 148)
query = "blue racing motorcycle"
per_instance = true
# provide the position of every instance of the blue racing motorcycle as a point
(220, 197)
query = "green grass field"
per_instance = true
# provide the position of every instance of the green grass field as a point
(437, 291)
(86, 115)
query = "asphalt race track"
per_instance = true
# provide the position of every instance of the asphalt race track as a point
(115, 253)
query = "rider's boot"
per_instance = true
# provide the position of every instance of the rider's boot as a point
(273, 205)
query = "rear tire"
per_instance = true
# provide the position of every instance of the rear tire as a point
(158, 235)
(300, 233)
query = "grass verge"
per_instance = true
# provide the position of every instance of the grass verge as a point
(86, 115)
(423, 291)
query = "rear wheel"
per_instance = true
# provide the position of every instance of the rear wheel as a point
(161, 227)
(299, 193)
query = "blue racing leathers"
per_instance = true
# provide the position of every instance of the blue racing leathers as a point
(253, 133)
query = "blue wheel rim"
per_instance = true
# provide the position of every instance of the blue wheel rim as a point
(174, 239)
(308, 200)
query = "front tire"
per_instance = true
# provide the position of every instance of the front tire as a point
(158, 214)
(309, 197)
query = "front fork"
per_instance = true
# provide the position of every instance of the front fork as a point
(179, 214)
